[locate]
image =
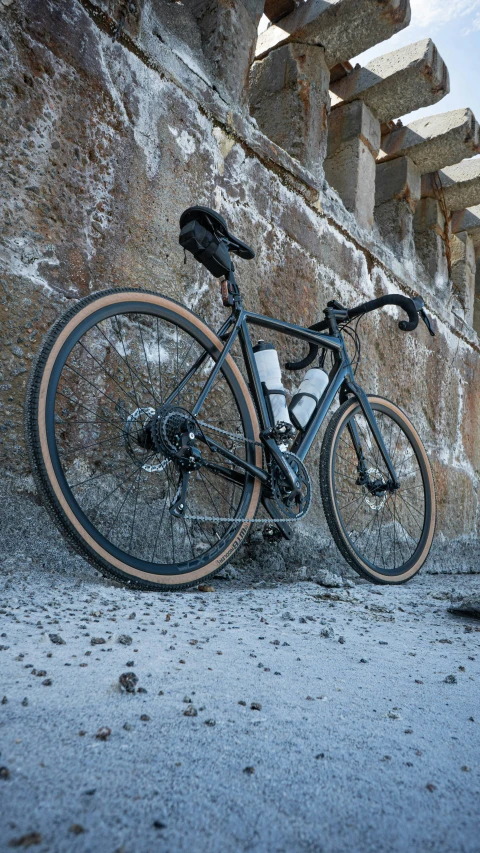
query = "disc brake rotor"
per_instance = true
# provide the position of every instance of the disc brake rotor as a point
(376, 502)
(134, 428)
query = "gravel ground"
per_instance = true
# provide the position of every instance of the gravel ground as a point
(276, 717)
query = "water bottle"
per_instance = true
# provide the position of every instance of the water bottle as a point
(268, 366)
(305, 400)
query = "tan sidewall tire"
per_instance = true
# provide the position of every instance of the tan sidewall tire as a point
(92, 547)
(353, 557)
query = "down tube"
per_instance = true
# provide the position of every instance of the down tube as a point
(308, 438)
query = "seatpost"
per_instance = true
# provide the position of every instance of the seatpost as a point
(230, 292)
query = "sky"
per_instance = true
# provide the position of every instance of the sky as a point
(454, 26)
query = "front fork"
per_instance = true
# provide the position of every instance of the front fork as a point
(351, 387)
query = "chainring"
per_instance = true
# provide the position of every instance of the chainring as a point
(293, 506)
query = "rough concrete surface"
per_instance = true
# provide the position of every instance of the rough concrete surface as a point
(263, 716)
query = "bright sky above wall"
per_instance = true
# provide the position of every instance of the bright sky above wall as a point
(454, 26)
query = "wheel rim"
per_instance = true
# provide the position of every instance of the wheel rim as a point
(386, 530)
(121, 345)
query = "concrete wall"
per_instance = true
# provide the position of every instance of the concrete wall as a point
(106, 142)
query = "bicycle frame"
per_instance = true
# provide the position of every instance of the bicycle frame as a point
(341, 381)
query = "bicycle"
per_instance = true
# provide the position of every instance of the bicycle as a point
(152, 451)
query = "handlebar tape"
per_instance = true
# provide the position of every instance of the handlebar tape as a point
(305, 362)
(404, 302)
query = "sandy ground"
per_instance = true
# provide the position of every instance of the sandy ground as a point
(355, 739)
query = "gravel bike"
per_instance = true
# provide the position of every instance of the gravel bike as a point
(153, 445)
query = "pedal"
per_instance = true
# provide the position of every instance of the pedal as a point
(271, 533)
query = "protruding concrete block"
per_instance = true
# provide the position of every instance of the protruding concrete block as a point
(398, 179)
(430, 244)
(469, 221)
(460, 184)
(435, 141)
(394, 84)
(476, 301)
(353, 140)
(344, 27)
(289, 99)
(228, 33)
(277, 9)
(463, 272)
(397, 191)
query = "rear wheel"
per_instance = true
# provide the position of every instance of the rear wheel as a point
(384, 534)
(107, 370)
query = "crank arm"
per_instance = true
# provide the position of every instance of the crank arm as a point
(284, 527)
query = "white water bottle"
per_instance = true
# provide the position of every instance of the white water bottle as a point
(305, 400)
(268, 366)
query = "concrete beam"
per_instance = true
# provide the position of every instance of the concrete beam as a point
(228, 34)
(277, 9)
(476, 301)
(463, 272)
(345, 28)
(429, 225)
(435, 141)
(353, 140)
(460, 185)
(398, 179)
(397, 83)
(397, 191)
(289, 100)
(469, 221)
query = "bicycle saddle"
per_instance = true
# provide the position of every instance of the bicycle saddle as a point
(211, 219)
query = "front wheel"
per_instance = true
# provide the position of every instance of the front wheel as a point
(385, 534)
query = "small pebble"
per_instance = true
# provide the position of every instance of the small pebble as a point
(57, 639)
(125, 640)
(128, 681)
(450, 679)
(97, 641)
(26, 840)
(76, 829)
(190, 711)
(103, 733)
(256, 706)
(4, 773)
(204, 587)
(145, 718)
(249, 770)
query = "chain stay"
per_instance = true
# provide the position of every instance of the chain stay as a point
(283, 518)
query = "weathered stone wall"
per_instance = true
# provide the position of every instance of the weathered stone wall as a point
(105, 142)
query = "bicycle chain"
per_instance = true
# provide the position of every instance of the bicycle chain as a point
(284, 519)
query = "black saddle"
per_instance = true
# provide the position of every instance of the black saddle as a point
(213, 222)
